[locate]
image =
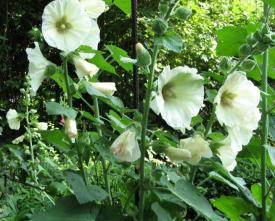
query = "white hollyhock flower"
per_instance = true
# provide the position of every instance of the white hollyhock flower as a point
(41, 126)
(237, 102)
(84, 68)
(179, 97)
(94, 8)
(13, 119)
(197, 147)
(125, 147)
(228, 152)
(107, 88)
(65, 24)
(71, 128)
(177, 154)
(37, 67)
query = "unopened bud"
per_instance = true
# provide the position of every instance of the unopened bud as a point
(251, 39)
(70, 128)
(245, 49)
(183, 13)
(160, 26)
(258, 35)
(143, 56)
(225, 64)
(163, 8)
(248, 65)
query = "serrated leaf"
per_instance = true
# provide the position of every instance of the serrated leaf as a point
(54, 108)
(171, 41)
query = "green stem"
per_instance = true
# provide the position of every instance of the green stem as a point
(144, 128)
(210, 122)
(264, 122)
(238, 64)
(103, 162)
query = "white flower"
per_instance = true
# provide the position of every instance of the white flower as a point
(197, 147)
(37, 67)
(228, 152)
(107, 88)
(70, 128)
(65, 24)
(179, 97)
(92, 40)
(177, 154)
(13, 119)
(41, 126)
(84, 68)
(237, 102)
(125, 147)
(19, 139)
(94, 8)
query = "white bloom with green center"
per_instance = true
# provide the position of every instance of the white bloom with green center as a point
(94, 8)
(228, 152)
(107, 88)
(37, 67)
(84, 68)
(125, 148)
(65, 24)
(179, 97)
(13, 119)
(237, 102)
(197, 147)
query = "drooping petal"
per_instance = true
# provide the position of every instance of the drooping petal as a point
(13, 119)
(107, 88)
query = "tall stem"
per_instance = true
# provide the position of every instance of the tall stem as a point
(103, 162)
(264, 122)
(143, 131)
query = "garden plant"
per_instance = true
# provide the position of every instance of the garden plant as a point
(176, 124)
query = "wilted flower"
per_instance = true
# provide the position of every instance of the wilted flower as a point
(37, 67)
(107, 88)
(125, 147)
(179, 97)
(237, 102)
(13, 119)
(65, 24)
(70, 128)
(84, 68)
(197, 147)
(94, 8)
(41, 126)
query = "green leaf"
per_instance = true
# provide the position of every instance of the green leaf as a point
(84, 193)
(168, 197)
(160, 212)
(271, 152)
(68, 209)
(271, 3)
(171, 41)
(117, 53)
(111, 213)
(220, 178)
(101, 63)
(233, 207)
(272, 126)
(57, 138)
(124, 5)
(231, 38)
(54, 108)
(119, 123)
(189, 195)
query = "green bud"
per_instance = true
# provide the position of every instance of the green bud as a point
(265, 30)
(183, 13)
(225, 64)
(267, 38)
(143, 56)
(74, 88)
(160, 26)
(245, 49)
(248, 65)
(258, 35)
(251, 39)
(261, 47)
(163, 8)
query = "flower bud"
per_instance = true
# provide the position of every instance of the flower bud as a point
(41, 126)
(265, 30)
(251, 39)
(248, 65)
(163, 8)
(143, 56)
(245, 49)
(267, 38)
(261, 47)
(160, 26)
(257, 35)
(183, 13)
(70, 128)
(84, 68)
(107, 88)
(225, 64)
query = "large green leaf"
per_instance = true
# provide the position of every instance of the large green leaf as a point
(68, 209)
(189, 194)
(54, 108)
(161, 213)
(111, 213)
(231, 38)
(171, 41)
(84, 193)
(124, 5)
(271, 3)
(101, 63)
(233, 207)
(57, 138)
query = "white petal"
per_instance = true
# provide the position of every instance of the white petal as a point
(107, 88)
(13, 119)
(42, 126)
(84, 68)
(94, 8)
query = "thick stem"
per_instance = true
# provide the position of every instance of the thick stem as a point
(144, 128)
(103, 162)
(264, 123)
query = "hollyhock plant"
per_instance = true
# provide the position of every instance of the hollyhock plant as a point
(13, 119)
(125, 147)
(37, 67)
(179, 96)
(94, 8)
(65, 24)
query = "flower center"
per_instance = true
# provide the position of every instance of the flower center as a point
(167, 92)
(63, 25)
(121, 149)
(227, 98)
